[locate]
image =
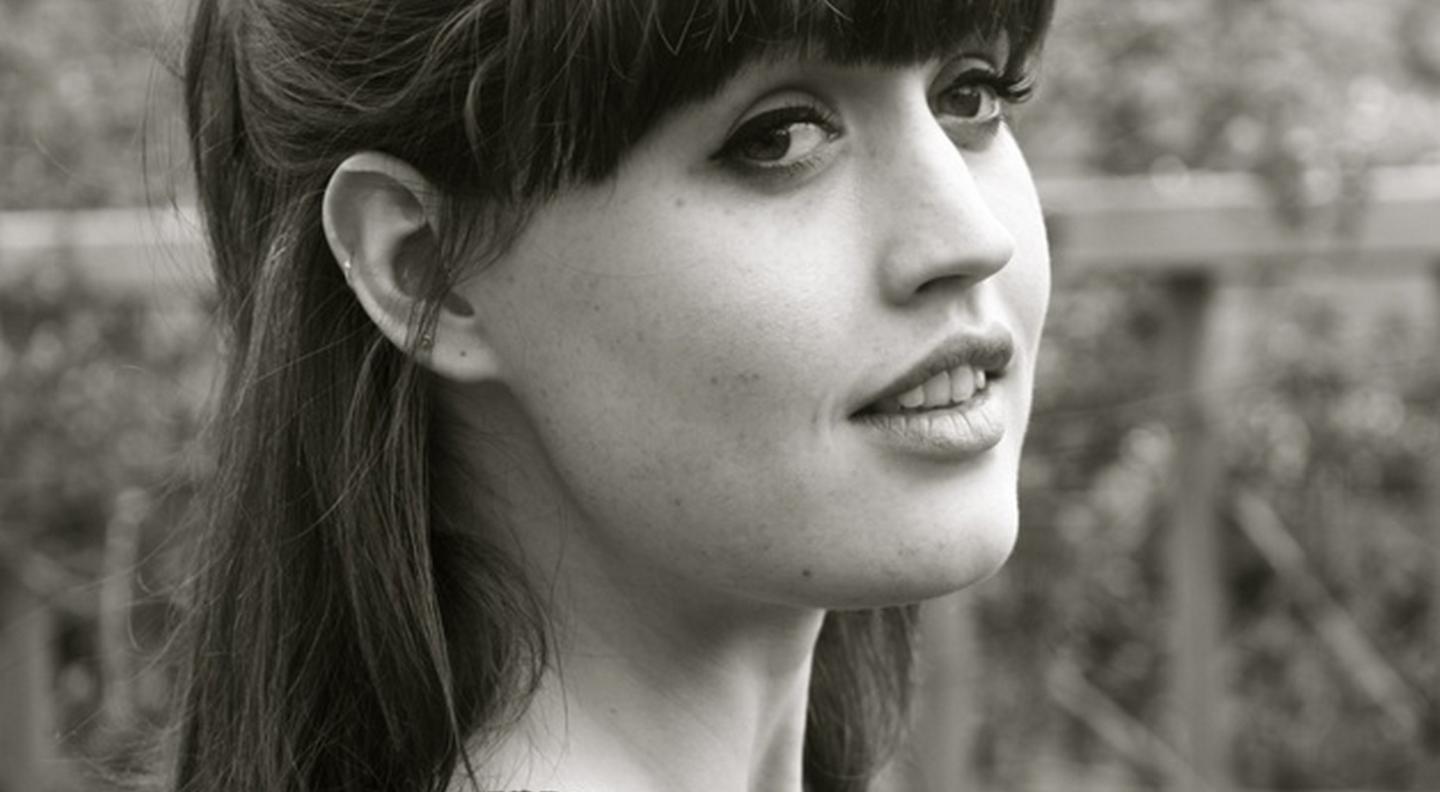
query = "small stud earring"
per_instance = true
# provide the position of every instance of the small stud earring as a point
(345, 266)
(426, 341)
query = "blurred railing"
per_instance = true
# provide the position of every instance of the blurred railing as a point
(1198, 235)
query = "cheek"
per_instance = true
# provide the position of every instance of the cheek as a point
(695, 315)
(1026, 285)
(676, 349)
(695, 423)
(1025, 282)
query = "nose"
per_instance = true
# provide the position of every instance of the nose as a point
(942, 233)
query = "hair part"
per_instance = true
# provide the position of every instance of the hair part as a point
(348, 626)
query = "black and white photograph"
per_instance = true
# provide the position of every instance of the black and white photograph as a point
(719, 396)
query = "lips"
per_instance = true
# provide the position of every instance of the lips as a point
(953, 372)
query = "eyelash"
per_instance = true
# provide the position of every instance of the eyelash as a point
(769, 122)
(1008, 90)
(1005, 89)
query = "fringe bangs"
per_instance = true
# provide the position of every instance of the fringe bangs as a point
(587, 80)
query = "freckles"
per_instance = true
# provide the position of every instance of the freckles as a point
(733, 396)
(732, 388)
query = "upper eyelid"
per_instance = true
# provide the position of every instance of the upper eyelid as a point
(982, 61)
(983, 56)
(994, 56)
(802, 98)
(993, 52)
(966, 64)
(822, 113)
(817, 115)
(1012, 83)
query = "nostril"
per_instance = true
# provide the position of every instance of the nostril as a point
(955, 282)
(948, 281)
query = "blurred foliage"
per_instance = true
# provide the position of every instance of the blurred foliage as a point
(91, 405)
(1305, 93)
(1331, 418)
(86, 105)
(101, 404)
(1339, 441)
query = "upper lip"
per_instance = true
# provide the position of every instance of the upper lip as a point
(989, 350)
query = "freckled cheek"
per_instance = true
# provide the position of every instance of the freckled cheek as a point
(717, 318)
(759, 365)
(1028, 291)
(720, 345)
(1025, 282)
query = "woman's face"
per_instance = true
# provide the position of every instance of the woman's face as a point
(711, 346)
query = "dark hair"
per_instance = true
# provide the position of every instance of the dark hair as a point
(343, 631)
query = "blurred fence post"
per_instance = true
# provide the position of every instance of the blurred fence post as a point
(27, 723)
(1430, 733)
(1192, 546)
(122, 539)
(946, 713)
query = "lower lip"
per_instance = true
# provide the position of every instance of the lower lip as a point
(958, 432)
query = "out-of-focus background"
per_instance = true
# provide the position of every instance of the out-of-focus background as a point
(1229, 570)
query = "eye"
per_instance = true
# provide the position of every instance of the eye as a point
(972, 97)
(784, 140)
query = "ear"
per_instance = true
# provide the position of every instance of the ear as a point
(380, 221)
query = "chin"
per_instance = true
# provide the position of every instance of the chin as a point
(976, 555)
(930, 565)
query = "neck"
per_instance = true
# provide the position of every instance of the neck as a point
(655, 684)
(632, 707)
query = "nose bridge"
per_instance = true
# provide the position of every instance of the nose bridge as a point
(941, 226)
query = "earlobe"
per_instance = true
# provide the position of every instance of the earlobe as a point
(379, 216)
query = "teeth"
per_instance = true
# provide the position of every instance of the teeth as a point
(963, 384)
(937, 390)
(948, 387)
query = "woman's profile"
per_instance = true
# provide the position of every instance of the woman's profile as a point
(604, 383)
